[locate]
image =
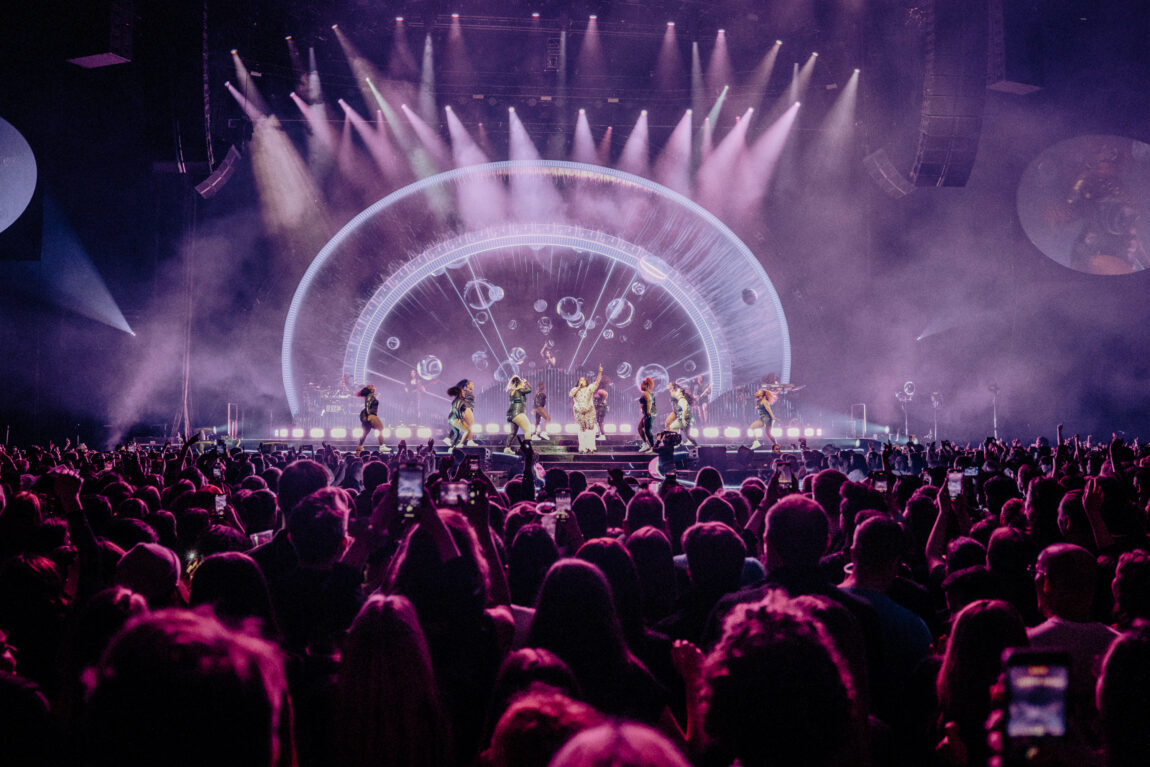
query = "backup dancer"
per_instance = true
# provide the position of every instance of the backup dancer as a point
(680, 419)
(517, 391)
(540, 410)
(454, 417)
(467, 411)
(647, 418)
(369, 418)
(764, 398)
(601, 412)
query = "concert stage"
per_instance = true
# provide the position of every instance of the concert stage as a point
(734, 459)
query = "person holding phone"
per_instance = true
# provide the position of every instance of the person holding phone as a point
(517, 391)
(369, 418)
(764, 398)
(583, 405)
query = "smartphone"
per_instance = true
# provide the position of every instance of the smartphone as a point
(881, 481)
(259, 539)
(1037, 691)
(672, 478)
(453, 494)
(786, 476)
(970, 471)
(410, 489)
(954, 483)
(562, 504)
(221, 505)
(217, 472)
(473, 465)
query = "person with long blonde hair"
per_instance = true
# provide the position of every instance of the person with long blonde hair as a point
(764, 398)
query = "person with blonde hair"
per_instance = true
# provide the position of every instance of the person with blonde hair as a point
(619, 744)
(764, 398)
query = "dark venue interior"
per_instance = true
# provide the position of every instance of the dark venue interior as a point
(543, 383)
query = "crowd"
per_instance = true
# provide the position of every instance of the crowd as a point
(914, 605)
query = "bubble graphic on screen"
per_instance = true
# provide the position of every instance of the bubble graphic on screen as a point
(540, 305)
(392, 343)
(481, 318)
(576, 321)
(750, 296)
(620, 312)
(591, 324)
(624, 370)
(608, 334)
(513, 325)
(655, 372)
(479, 360)
(518, 355)
(544, 325)
(689, 366)
(638, 288)
(648, 324)
(481, 294)
(429, 367)
(568, 308)
(505, 370)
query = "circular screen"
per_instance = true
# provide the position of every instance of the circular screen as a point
(516, 268)
(1083, 202)
(19, 174)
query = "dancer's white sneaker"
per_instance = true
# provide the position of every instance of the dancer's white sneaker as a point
(756, 445)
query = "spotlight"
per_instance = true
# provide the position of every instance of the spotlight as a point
(793, 431)
(357, 432)
(643, 112)
(492, 428)
(594, 17)
(288, 38)
(423, 432)
(535, 15)
(338, 433)
(455, 15)
(814, 53)
(316, 433)
(235, 51)
(731, 432)
(778, 42)
(857, 70)
(403, 432)
(722, 31)
(808, 432)
(571, 428)
(385, 432)
(297, 433)
(624, 428)
(582, 111)
(510, 109)
(398, 19)
(447, 108)
(335, 26)
(670, 23)
(710, 432)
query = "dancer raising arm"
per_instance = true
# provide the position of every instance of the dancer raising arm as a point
(583, 405)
